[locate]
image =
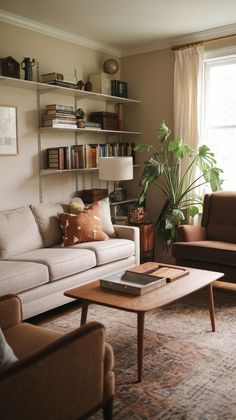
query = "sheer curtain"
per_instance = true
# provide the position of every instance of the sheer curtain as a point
(187, 94)
(188, 79)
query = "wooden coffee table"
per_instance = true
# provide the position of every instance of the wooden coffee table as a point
(193, 281)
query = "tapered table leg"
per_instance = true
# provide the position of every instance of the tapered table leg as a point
(211, 307)
(84, 312)
(140, 332)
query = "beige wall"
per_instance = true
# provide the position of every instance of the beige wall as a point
(19, 174)
(150, 78)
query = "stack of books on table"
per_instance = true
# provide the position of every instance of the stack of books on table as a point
(59, 116)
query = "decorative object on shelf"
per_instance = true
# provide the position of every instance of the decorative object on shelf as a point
(119, 88)
(101, 83)
(94, 194)
(8, 130)
(9, 67)
(111, 66)
(164, 165)
(80, 115)
(108, 120)
(120, 116)
(88, 86)
(80, 84)
(136, 213)
(116, 169)
(27, 65)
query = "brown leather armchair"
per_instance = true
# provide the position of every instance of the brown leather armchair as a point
(211, 246)
(58, 376)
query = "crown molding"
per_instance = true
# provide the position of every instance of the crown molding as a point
(195, 36)
(56, 33)
(89, 43)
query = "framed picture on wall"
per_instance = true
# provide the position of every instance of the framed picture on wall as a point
(8, 130)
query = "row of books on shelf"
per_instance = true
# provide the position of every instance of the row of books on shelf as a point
(85, 156)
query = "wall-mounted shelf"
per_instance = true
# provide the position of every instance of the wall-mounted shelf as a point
(76, 93)
(44, 172)
(43, 88)
(89, 130)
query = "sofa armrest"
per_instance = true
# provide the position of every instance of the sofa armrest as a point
(10, 311)
(191, 233)
(132, 233)
(65, 380)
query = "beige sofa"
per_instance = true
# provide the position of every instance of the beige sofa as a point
(34, 266)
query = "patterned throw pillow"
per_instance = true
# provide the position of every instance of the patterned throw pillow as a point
(86, 226)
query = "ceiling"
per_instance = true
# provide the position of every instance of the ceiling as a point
(124, 26)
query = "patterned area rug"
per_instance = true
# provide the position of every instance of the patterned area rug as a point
(189, 372)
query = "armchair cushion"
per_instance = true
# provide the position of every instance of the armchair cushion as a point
(7, 355)
(190, 233)
(210, 251)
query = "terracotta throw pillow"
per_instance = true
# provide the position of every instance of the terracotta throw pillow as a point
(86, 226)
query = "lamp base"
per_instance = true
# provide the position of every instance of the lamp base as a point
(118, 195)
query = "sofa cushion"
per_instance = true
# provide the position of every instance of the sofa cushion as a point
(109, 251)
(211, 251)
(47, 220)
(84, 226)
(18, 232)
(61, 262)
(16, 277)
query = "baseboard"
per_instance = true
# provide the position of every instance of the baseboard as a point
(224, 285)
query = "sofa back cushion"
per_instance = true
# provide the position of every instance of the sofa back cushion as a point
(18, 232)
(221, 215)
(48, 223)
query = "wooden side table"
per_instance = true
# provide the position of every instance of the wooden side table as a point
(147, 240)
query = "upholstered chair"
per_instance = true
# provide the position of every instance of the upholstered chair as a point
(57, 376)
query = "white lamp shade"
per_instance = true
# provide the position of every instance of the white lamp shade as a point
(115, 168)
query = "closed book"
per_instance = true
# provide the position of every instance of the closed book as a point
(67, 157)
(60, 113)
(48, 77)
(59, 160)
(61, 83)
(49, 119)
(60, 125)
(60, 107)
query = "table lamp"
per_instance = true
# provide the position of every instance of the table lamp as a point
(116, 169)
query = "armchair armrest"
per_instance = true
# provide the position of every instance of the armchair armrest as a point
(65, 380)
(10, 311)
(191, 233)
(132, 233)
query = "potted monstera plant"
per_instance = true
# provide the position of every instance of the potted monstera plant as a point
(178, 171)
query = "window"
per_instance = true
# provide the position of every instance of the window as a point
(219, 113)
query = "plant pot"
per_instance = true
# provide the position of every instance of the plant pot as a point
(136, 214)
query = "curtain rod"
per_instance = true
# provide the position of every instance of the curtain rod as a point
(191, 44)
